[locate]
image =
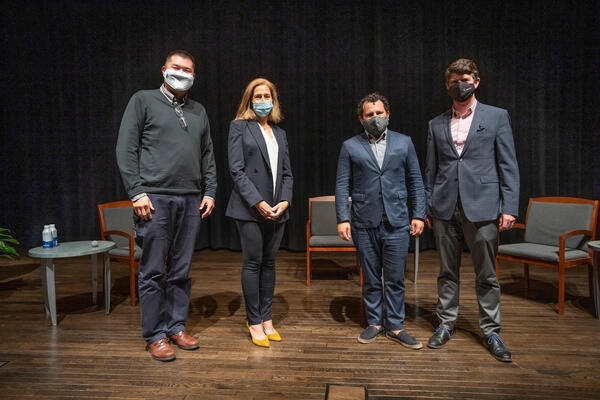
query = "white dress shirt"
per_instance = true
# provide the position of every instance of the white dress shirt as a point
(273, 150)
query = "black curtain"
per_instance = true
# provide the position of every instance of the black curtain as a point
(69, 68)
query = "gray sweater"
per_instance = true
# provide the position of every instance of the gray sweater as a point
(156, 154)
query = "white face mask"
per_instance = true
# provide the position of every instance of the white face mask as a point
(178, 80)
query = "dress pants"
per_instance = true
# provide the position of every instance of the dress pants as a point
(383, 248)
(168, 240)
(482, 240)
(260, 243)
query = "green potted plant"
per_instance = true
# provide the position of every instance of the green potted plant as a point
(6, 239)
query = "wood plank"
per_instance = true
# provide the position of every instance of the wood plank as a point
(93, 355)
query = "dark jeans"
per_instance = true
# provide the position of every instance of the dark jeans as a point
(260, 243)
(383, 249)
(482, 240)
(168, 240)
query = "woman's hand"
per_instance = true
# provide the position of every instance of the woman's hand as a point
(279, 209)
(265, 210)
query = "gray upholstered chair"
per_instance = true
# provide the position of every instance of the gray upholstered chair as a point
(557, 230)
(321, 231)
(116, 225)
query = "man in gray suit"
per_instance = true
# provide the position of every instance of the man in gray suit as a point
(472, 187)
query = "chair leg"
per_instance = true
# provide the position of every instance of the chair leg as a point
(497, 269)
(561, 290)
(591, 279)
(308, 266)
(132, 283)
(526, 273)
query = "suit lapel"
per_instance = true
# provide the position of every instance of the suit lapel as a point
(448, 132)
(280, 143)
(365, 143)
(388, 144)
(475, 125)
(260, 140)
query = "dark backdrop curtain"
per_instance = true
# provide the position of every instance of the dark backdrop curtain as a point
(69, 68)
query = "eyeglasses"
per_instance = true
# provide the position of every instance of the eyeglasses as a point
(179, 113)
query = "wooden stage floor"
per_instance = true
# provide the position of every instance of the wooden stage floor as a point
(93, 355)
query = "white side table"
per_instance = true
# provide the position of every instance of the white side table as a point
(595, 246)
(72, 249)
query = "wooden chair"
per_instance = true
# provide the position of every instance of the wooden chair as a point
(321, 231)
(557, 230)
(116, 225)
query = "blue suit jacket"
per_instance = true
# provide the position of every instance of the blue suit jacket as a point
(375, 189)
(486, 173)
(250, 169)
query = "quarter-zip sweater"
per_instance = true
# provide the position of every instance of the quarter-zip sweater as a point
(157, 153)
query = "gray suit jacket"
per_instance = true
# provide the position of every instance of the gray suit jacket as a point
(250, 169)
(486, 173)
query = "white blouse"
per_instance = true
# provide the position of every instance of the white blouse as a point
(273, 150)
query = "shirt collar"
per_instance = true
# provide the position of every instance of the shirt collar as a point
(170, 96)
(371, 139)
(467, 113)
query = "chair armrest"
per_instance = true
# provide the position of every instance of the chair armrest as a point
(562, 239)
(518, 226)
(118, 233)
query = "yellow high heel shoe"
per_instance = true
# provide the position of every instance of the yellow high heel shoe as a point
(274, 336)
(259, 342)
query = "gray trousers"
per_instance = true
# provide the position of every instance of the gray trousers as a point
(168, 240)
(482, 240)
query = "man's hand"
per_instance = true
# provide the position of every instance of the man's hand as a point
(416, 227)
(279, 209)
(505, 222)
(208, 206)
(344, 231)
(429, 222)
(265, 210)
(143, 208)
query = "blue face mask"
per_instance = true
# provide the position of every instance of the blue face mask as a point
(263, 108)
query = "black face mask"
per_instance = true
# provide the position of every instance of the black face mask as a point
(461, 91)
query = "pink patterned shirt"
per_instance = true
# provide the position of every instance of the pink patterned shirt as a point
(460, 125)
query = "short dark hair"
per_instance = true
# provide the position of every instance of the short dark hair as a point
(183, 54)
(372, 98)
(462, 66)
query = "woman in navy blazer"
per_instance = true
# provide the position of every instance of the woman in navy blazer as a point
(259, 164)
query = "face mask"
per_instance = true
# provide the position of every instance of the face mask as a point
(178, 80)
(461, 91)
(375, 126)
(262, 108)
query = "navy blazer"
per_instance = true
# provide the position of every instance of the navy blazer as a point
(374, 189)
(486, 173)
(250, 169)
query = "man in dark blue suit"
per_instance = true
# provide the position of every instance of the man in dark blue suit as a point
(472, 185)
(379, 169)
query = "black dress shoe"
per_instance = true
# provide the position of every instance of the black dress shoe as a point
(370, 334)
(439, 338)
(496, 346)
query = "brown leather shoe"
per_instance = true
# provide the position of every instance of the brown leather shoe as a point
(161, 350)
(184, 341)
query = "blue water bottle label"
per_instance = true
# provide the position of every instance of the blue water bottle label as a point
(54, 242)
(47, 244)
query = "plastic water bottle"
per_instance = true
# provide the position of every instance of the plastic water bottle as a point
(54, 235)
(46, 237)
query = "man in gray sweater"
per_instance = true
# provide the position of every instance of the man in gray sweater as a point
(165, 156)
